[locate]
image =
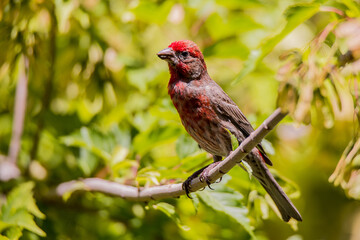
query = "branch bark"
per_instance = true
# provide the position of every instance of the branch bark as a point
(174, 190)
(19, 111)
(8, 167)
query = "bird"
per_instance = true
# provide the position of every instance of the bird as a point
(210, 116)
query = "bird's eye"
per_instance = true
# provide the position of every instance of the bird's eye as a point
(185, 54)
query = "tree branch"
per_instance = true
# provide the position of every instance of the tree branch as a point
(8, 167)
(174, 190)
(19, 111)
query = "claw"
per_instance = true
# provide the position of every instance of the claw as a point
(203, 172)
(186, 184)
(201, 178)
(208, 183)
(219, 180)
(186, 187)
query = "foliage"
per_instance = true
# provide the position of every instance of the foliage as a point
(97, 106)
(18, 212)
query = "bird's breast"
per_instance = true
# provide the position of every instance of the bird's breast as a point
(199, 118)
(190, 100)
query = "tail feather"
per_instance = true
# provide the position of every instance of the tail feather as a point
(282, 201)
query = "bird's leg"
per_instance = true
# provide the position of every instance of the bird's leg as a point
(186, 184)
(203, 172)
(204, 176)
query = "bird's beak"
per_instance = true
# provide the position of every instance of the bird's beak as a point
(167, 54)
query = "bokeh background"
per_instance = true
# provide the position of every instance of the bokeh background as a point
(96, 105)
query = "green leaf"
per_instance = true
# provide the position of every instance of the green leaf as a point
(356, 161)
(13, 233)
(268, 147)
(87, 141)
(227, 48)
(148, 175)
(22, 197)
(251, 63)
(185, 146)
(228, 203)
(195, 200)
(24, 219)
(158, 12)
(247, 168)
(295, 15)
(3, 238)
(220, 27)
(234, 141)
(169, 210)
(140, 78)
(194, 161)
(354, 9)
(236, 4)
(146, 141)
(94, 145)
(119, 155)
(19, 210)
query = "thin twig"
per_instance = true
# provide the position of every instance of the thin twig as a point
(8, 167)
(19, 111)
(332, 9)
(174, 190)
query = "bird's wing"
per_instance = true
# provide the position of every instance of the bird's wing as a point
(225, 107)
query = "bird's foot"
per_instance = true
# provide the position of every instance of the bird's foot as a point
(204, 176)
(187, 182)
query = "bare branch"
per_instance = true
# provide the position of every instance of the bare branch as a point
(175, 190)
(8, 167)
(19, 111)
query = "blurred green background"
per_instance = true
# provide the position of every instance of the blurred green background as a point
(97, 106)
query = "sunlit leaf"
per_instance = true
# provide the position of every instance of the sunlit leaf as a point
(13, 233)
(19, 210)
(185, 146)
(247, 168)
(268, 147)
(295, 15)
(4, 238)
(145, 141)
(169, 210)
(220, 27)
(228, 203)
(22, 197)
(195, 200)
(24, 219)
(93, 146)
(159, 12)
(192, 162)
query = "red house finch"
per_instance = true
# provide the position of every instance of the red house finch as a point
(208, 114)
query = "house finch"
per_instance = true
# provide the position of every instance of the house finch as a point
(208, 115)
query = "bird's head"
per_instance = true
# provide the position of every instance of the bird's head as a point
(184, 59)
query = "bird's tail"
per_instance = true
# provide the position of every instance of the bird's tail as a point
(262, 173)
